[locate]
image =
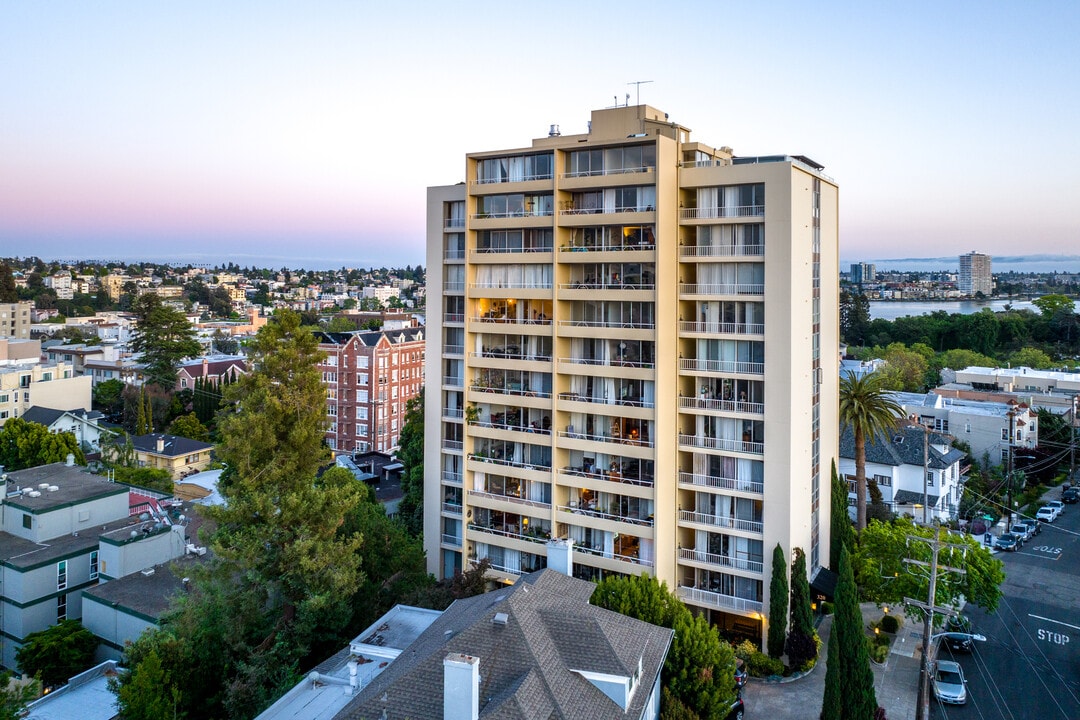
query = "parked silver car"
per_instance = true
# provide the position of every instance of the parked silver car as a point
(949, 684)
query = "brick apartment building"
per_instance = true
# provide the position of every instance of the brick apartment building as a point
(370, 376)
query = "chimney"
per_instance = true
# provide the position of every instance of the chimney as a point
(560, 555)
(161, 443)
(70, 461)
(461, 687)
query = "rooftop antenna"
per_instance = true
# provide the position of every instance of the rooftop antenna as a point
(638, 84)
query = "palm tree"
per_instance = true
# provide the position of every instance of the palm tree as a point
(867, 408)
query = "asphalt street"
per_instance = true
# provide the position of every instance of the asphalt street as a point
(1029, 666)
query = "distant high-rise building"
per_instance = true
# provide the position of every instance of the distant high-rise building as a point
(15, 319)
(633, 346)
(863, 273)
(975, 274)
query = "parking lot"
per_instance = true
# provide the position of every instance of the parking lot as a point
(1029, 666)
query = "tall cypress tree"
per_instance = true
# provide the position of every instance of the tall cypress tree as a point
(778, 603)
(801, 646)
(842, 533)
(849, 672)
(140, 419)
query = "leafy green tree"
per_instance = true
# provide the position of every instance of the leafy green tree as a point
(778, 603)
(58, 653)
(866, 407)
(841, 532)
(959, 359)
(146, 691)
(340, 323)
(411, 456)
(849, 681)
(9, 292)
(147, 477)
(224, 343)
(189, 426)
(883, 577)
(904, 369)
(15, 695)
(28, 444)
(854, 317)
(700, 668)
(801, 646)
(1030, 357)
(163, 337)
(1050, 305)
(108, 396)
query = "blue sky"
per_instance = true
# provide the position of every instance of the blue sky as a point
(310, 130)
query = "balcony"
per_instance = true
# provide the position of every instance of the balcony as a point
(449, 381)
(453, 349)
(509, 498)
(720, 213)
(617, 324)
(729, 406)
(605, 285)
(689, 252)
(729, 328)
(509, 391)
(511, 531)
(454, 445)
(451, 478)
(621, 402)
(505, 320)
(724, 561)
(627, 474)
(508, 285)
(722, 288)
(454, 223)
(454, 286)
(722, 366)
(508, 353)
(453, 413)
(517, 213)
(453, 317)
(709, 598)
(606, 247)
(722, 521)
(531, 429)
(720, 483)
(509, 463)
(452, 540)
(645, 521)
(599, 552)
(454, 254)
(451, 508)
(605, 171)
(619, 439)
(709, 443)
(506, 250)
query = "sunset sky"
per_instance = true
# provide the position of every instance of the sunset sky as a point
(305, 134)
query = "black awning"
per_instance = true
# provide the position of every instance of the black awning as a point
(824, 584)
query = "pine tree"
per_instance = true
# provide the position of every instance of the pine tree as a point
(140, 419)
(149, 412)
(778, 603)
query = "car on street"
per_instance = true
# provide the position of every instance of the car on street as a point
(1033, 525)
(1007, 541)
(1021, 531)
(736, 711)
(741, 675)
(1057, 505)
(1046, 514)
(1070, 495)
(958, 641)
(949, 684)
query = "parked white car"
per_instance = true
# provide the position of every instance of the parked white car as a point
(1058, 506)
(1046, 514)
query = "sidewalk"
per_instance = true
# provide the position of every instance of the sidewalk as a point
(896, 683)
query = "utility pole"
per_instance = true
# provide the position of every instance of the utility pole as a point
(922, 711)
(1072, 441)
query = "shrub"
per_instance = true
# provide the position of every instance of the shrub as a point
(878, 646)
(826, 607)
(745, 649)
(801, 649)
(890, 623)
(761, 665)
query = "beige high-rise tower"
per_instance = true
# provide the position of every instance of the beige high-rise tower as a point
(976, 275)
(633, 345)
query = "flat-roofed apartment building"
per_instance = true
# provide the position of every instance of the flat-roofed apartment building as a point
(975, 274)
(626, 350)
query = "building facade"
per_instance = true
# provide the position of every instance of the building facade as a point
(370, 378)
(45, 384)
(626, 351)
(863, 273)
(975, 275)
(15, 320)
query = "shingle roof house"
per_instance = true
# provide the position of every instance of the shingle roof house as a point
(536, 650)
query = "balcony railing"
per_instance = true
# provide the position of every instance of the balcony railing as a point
(598, 552)
(534, 212)
(722, 366)
(537, 537)
(647, 521)
(451, 478)
(730, 328)
(454, 286)
(454, 223)
(453, 349)
(594, 285)
(501, 320)
(608, 247)
(733, 406)
(722, 288)
(509, 498)
(716, 213)
(453, 317)
(725, 561)
(693, 251)
(452, 508)
(721, 483)
(514, 428)
(452, 445)
(574, 435)
(721, 521)
(448, 539)
(699, 596)
(644, 480)
(509, 463)
(601, 210)
(450, 381)
(613, 171)
(710, 443)
(609, 363)
(511, 250)
(509, 355)
(454, 254)
(515, 179)
(454, 413)
(628, 324)
(510, 286)
(624, 402)
(509, 391)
